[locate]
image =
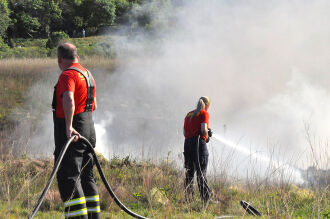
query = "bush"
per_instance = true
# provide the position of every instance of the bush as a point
(30, 42)
(55, 38)
(3, 46)
(30, 52)
(4, 49)
(326, 214)
(37, 48)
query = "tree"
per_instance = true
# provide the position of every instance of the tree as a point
(35, 17)
(55, 38)
(50, 17)
(71, 15)
(24, 22)
(78, 22)
(122, 9)
(152, 15)
(98, 13)
(4, 18)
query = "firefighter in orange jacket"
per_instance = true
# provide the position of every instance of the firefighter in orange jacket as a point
(74, 101)
(196, 131)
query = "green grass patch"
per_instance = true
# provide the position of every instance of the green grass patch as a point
(36, 48)
(29, 42)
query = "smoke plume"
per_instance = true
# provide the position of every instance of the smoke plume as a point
(264, 64)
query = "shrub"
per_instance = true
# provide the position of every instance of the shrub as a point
(4, 49)
(326, 214)
(30, 52)
(30, 42)
(55, 38)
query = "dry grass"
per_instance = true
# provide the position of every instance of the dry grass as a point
(16, 77)
(16, 98)
(156, 191)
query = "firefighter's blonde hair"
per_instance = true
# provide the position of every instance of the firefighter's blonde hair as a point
(201, 104)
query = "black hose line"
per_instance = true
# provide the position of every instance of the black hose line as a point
(200, 169)
(57, 164)
(112, 194)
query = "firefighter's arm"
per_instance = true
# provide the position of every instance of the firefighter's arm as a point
(95, 103)
(204, 130)
(68, 107)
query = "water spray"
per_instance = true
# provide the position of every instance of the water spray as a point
(247, 206)
(258, 156)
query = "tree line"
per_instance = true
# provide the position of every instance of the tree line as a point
(38, 18)
(41, 18)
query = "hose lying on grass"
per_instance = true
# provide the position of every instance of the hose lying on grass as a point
(244, 204)
(57, 164)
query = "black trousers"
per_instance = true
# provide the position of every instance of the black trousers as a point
(196, 162)
(75, 177)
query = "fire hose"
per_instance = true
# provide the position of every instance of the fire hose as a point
(244, 204)
(200, 168)
(56, 166)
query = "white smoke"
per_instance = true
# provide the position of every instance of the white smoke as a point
(264, 65)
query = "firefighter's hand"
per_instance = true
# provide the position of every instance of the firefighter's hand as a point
(210, 132)
(70, 132)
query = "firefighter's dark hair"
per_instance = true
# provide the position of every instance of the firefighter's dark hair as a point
(67, 51)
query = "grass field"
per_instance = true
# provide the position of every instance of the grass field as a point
(152, 190)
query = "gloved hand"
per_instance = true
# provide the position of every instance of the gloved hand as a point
(210, 132)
